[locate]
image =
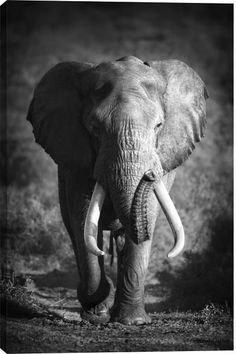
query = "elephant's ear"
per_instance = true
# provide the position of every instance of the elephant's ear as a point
(55, 114)
(184, 106)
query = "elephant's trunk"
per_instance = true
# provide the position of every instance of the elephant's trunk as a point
(139, 212)
(140, 230)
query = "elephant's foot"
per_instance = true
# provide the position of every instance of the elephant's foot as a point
(96, 308)
(130, 315)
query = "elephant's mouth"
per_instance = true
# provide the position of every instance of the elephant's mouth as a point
(148, 182)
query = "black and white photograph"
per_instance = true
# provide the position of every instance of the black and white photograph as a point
(116, 176)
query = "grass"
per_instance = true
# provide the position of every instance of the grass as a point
(36, 231)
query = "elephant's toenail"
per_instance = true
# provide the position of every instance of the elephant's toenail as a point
(139, 322)
(101, 310)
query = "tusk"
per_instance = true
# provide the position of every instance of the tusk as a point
(92, 218)
(172, 217)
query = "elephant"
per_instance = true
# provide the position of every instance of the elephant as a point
(118, 131)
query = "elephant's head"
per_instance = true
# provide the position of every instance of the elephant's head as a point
(129, 121)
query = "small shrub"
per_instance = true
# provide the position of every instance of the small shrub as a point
(17, 298)
(215, 314)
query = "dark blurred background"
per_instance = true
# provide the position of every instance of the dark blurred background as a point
(41, 34)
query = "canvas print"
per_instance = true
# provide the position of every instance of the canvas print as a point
(116, 177)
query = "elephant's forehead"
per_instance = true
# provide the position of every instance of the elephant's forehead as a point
(125, 73)
(128, 87)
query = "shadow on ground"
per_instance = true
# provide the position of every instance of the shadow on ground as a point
(57, 279)
(206, 278)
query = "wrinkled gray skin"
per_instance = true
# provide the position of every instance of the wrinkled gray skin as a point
(111, 123)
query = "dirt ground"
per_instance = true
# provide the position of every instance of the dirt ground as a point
(53, 324)
(175, 332)
(189, 298)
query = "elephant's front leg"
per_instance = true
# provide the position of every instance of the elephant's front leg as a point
(133, 262)
(132, 269)
(95, 290)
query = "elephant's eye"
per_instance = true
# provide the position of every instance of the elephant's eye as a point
(150, 88)
(94, 127)
(96, 131)
(158, 126)
(103, 91)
